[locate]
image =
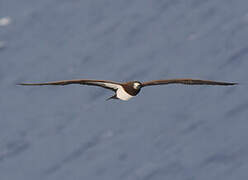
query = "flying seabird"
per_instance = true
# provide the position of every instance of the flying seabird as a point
(127, 90)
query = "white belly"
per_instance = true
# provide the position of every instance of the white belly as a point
(121, 94)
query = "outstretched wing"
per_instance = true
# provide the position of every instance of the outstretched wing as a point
(102, 83)
(187, 82)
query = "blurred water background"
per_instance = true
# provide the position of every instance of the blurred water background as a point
(169, 132)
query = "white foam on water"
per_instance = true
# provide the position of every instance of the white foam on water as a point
(5, 21)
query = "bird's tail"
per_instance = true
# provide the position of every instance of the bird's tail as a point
(112, 97)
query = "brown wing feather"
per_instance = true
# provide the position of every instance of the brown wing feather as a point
(187, 82)
(102, 83)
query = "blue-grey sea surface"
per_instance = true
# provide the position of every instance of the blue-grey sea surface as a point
(172, 132)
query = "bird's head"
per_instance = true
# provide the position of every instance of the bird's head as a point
(137, 85)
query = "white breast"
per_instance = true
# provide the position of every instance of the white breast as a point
(121, 94)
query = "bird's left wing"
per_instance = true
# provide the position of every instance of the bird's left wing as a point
(187, 82)
(102, 83)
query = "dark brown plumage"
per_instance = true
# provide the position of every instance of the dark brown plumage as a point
(187, 82)
(101, 83)
(127, 90)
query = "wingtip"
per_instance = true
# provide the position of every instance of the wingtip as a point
(24, 84)
(234, 84)
(21, 84)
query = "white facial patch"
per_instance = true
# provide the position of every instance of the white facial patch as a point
(136, 85)
(121, 94)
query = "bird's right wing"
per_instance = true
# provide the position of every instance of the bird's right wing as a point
(102, 83)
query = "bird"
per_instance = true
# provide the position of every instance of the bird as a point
(127, 90)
